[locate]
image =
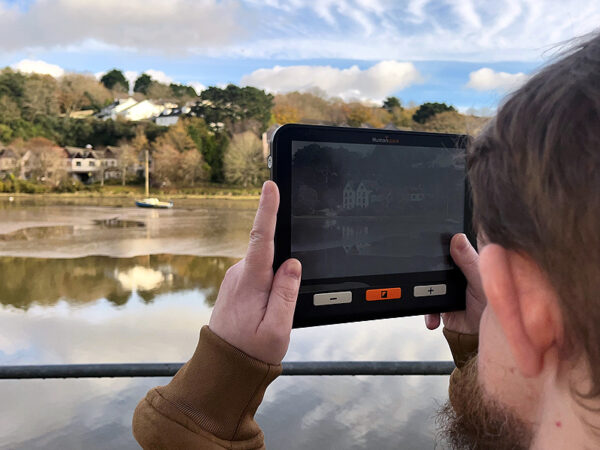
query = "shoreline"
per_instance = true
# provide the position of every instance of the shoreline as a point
(131, 195)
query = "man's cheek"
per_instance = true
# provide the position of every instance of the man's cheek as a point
(489, 350)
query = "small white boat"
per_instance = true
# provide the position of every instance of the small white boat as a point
(153, 203)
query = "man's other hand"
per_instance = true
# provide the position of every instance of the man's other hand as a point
(467, 321)
(254, 308)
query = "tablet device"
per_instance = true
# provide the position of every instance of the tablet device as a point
(370, 214)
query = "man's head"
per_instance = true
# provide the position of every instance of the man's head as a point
(535, 176)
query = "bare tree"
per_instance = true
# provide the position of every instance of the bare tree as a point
(126, 159)
(193, 167)
(82, 91)
(166, 164)
(40, 96)
(45, 161)
(244, 162)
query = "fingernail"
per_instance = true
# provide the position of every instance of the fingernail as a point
(294, 269)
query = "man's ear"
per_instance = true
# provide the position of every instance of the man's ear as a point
(525, 304)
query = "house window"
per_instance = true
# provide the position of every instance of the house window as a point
(92, 163)
(78, 163)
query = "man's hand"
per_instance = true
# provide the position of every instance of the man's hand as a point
(254, 309)
(467, 321)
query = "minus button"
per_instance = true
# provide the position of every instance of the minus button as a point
(332, 298)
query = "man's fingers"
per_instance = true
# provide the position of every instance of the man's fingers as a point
(261, 246)
(282, 300)
(432, 321)
(467, 259)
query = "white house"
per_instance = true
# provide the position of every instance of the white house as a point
(170, 116)
(146, 109)
(82, 163)
(131, 109)
(111, 111)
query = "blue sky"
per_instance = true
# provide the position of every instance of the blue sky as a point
(464, 52)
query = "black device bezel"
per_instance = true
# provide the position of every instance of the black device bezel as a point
(306, 314)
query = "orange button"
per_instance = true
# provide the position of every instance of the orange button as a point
(383, 294)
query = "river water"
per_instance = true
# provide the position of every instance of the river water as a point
(98, 281)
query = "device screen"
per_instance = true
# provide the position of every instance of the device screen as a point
(362, 209)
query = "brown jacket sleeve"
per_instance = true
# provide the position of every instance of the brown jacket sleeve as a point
(209, 404)
(462, 346)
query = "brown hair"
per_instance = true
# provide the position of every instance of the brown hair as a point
(535, 175)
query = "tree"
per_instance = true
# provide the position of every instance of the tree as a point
(177, 137)
(391, 102)
(446, 122)
(126, 158)
(358, 114)
(244, 163)
(44, 160)
(286, 114)
(142, 84)
(9, 110)
(182, 91)
(12, 84)
(40, 96)
(166, 161)
(211, 144)
(79, 92)
(234, 104)
(193, 168)
(114, 79)
(427, 110)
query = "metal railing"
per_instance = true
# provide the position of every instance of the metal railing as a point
(308, 368)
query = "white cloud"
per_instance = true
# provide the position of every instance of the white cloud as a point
(465, 30)
(37, 66)
(486, 79)
(374, 83)
(198, 87)
(159, 75)
(131, 76)
(133, 24)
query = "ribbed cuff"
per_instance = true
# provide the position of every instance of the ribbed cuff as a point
(220, 388)
(463, 346)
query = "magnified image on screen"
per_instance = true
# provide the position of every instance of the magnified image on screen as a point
(361, 209)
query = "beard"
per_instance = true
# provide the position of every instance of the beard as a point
(472, 420)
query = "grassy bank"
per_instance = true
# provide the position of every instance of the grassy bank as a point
(205, 191)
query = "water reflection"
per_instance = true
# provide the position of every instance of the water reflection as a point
(85, 280)
(73, 308)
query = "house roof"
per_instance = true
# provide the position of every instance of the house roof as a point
(369, 185)
(77, 152)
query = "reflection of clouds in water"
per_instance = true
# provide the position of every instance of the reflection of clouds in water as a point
(140, 278)
(165, 330)
(298, 412)
(390, 339)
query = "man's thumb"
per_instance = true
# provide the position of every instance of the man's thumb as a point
(284, 293)
(466, 258)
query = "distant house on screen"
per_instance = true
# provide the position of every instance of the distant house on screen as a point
(364, 194)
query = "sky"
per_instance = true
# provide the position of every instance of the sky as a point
(463, 52)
